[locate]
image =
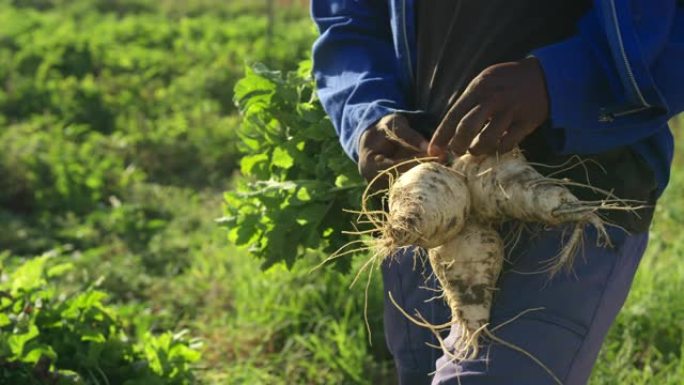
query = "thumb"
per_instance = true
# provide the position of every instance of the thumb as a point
(399, 131)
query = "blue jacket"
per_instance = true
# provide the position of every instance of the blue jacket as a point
(617, 82)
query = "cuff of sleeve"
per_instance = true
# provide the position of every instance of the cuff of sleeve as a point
(571, 75)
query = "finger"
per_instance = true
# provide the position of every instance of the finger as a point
(403, 154)
(487, 142)
(399, 164)
(373, 165)
(445, 131)
(513, 136)
(409, 138)
(386, 167)
(374, 141)
(469, 127)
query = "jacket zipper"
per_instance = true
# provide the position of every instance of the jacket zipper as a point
(406, 42)
(623, 53)
(609, 115)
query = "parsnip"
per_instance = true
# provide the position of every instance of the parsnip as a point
(428, 205)
(467, 267)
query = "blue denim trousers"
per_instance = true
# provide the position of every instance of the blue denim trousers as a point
(565, 335)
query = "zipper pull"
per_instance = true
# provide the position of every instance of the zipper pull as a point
(608, 115)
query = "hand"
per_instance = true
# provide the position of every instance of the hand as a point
(498, 109)
(387, 143)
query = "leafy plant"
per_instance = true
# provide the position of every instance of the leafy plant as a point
(297, 179)
(48, 336)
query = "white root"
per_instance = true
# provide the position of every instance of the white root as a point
(467, 268)
(427, 206)
(508, 187)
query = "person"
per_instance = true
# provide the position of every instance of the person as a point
(596, 78)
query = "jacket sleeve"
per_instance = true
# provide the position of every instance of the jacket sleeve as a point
(355, 66)
(593, 94)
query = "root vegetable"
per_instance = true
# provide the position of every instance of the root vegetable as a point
(467, 267)
(428, 205)
(507, 187)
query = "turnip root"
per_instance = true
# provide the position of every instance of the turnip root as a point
(507, 187)
(428, 205)
(467, 267)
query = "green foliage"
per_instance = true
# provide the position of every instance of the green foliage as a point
(298, 180)
(48, 167)
(156, 86)
(50, 336)
(312, 335)
(117, 136)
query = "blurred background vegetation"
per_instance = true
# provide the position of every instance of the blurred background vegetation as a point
(118, 139)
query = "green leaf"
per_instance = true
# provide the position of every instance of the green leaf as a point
(185, 352)
(247, 231)
(252, 88)
(39, 350)
(4, 320)
(303, 194)
(250, 162)
(18, 341)
(29, 275)
(59, 269)
(310, 112)
(281, 158)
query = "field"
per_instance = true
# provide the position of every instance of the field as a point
(122, 157)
